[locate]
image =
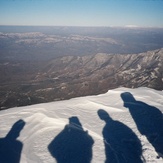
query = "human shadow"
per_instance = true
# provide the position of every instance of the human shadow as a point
(121, 143)
(10, 148)
(72, 145)
(149, 120)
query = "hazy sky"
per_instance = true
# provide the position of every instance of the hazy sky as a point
(144, 13)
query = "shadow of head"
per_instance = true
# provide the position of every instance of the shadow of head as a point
(15, 130)
(127, 98)
(74, 121)
(104, 115)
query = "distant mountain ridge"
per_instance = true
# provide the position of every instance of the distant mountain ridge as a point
(108, 70)
(33, 43)
(72, 76)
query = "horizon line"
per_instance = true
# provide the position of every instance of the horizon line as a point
(95, 26)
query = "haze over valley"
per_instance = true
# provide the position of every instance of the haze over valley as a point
(25, 42)
(42, 64)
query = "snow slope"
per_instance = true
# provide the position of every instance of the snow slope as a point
(44, 124)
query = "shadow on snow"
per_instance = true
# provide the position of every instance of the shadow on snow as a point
(149, 120)
(121, 143)
(10, 148)
(72, 145)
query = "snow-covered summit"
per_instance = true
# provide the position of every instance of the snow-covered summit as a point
(122, 125)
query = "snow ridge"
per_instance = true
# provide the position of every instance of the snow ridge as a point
(95, 128)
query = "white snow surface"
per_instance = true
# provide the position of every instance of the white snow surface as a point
(43, 122)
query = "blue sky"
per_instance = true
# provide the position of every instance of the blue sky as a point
(143, 13)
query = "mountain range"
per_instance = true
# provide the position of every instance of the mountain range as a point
(25, 83)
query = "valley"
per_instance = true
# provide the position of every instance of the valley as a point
(73, 76)
(61, 63)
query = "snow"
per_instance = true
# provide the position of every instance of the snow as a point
(47, 121)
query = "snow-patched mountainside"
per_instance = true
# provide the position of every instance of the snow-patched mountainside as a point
(123, 124)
